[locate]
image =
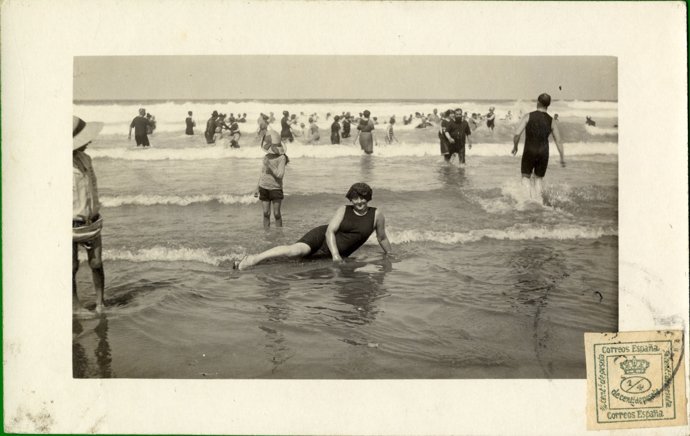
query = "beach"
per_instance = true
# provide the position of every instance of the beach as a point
(482, 284)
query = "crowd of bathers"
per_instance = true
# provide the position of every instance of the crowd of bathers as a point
(355, 219)
(222, 125)
(306, 126)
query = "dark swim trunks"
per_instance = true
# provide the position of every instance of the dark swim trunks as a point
(534, 160)
(316, 240)
(142, 140)
(270, 194)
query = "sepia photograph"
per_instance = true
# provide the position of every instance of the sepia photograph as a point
(342, 217)
(267, 222)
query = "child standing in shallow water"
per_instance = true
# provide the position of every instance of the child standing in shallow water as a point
(270, 186)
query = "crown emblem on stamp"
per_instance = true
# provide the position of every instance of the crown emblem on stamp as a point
(634, 366)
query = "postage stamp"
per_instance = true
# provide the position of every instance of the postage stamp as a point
(635, 379)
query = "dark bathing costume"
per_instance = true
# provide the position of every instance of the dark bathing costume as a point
(535, 156)
(354, 231)
(335, 133)
(490, 123)
(458, 130)
(442, 137)
(285, 131)
(210, 130)
(190, 126)
(140, 125)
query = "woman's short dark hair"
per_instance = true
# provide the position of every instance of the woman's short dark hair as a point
(366, 114)
(361, 190)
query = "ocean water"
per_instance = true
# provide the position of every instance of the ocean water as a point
(482, 283)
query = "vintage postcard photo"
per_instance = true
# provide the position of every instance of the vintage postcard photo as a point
(341, 217)
(497, 254)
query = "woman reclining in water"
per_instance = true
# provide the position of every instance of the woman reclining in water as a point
(348, 230)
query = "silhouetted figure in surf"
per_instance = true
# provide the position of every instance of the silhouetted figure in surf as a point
(190, 124)
(210, 132)
(458, 133)
(491, 119)
(141, 125)
(285, 132)
(335, 130)
(443, 136)
(152, 124)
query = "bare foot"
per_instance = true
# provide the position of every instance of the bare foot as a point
(246, 262)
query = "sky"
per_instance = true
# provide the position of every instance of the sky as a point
(344, 77)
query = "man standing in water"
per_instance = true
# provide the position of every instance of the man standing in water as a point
(141, 125)
(458, 133)
(211, 125)
(535, 156)
(86, 219)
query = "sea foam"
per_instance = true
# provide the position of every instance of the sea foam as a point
(167, 254)
(514, 233)
(175, 200)
(329, 151)
(409, 236)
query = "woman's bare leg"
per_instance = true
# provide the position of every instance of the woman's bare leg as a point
(298, 249)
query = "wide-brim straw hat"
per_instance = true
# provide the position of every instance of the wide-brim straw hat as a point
(83, 132)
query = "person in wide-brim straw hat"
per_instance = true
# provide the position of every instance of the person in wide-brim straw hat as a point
(83, 133)
(86, 219)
